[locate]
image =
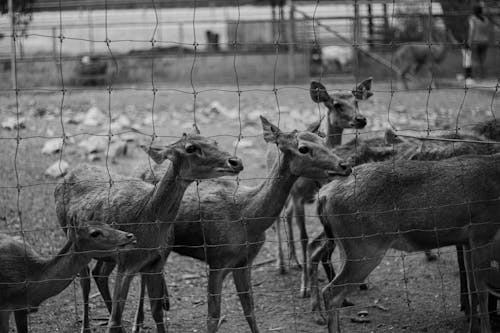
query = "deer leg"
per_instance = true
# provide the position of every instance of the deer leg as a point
(85, 286)
(4, 321)
(403, 78)
(122, 285)
(480, 269)
(304, 239)
(320, 249)
(281, 257)
(21, 317)
(155, 282)
(472, 291)
(101, 273)
(139, 314)
(242, 281)
(215, 280)
(464, 291)
(292, 210)
(360, 261)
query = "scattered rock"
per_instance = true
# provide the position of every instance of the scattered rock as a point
(52, 146)
(40, 111)
(117, 149)
(92, 157)
(94, 144)
(122, 122)
(214, 108)
(76, 119)
(58, 169)
(93, 117)
(11, 123)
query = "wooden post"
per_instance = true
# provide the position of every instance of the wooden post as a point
(12, 44)
(356, 39)
(291, 42)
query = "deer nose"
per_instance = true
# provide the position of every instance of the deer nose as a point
(235, 163)
(130, 236)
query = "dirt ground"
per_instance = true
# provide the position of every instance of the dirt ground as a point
(415, 296)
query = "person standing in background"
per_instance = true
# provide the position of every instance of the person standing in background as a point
(478, 38)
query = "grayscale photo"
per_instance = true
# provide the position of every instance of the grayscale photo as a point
(288, 166)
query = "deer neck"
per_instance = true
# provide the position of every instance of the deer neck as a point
(56, 273)
(333, 135)
(167, 195)
(266, 201)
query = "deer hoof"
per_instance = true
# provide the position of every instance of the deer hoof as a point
(319, 319)
(304, 293)
(282, 270)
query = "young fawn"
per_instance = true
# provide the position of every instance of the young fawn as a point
(26, 279)
(139, 207)
(342, 113)
(410, 205)
(224, 224)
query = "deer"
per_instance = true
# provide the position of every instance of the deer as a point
(392, 147)
(411, 58)
(224, 224)
(410, 206)
(342, 113)
(27, 279)
(136, 206)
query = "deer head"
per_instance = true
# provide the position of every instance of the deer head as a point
(201, 157)
(306, 153)
(343, 106)
(97, 239)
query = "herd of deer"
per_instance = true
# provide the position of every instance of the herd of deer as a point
(422, 197)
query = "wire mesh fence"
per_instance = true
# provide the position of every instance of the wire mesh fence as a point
(118, 120)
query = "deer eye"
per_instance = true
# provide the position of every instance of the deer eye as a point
(95, 233)
(303, 150)
(190, 148)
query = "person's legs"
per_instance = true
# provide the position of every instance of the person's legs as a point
(467, 65)
(481, 50)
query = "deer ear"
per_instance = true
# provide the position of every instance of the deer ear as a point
(314, 127)
(363, 90)
(318, 92)
(157, 154)
(271, 132)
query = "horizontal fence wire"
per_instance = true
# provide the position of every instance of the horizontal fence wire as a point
(90, 89)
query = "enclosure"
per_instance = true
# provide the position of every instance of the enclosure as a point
(161, 75)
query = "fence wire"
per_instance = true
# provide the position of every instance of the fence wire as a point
(259, 67)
